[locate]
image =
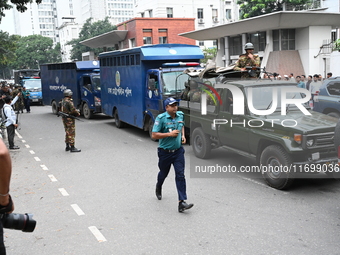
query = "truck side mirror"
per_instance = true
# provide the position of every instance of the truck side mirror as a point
(152, 84)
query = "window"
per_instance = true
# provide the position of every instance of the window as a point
(201, 43)
(284, 39)
(127, 62)
(163, 40)
(200, 13)
(228, 14)
(214, 14)
(132, 42)
(132, 60)
(169, 12)
(147, 40)
(258, 40)
(334, 88)
(235, 45)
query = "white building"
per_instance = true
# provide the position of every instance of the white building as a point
(207, 13)
(296, 42)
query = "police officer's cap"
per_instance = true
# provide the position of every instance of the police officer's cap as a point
(248, 46)
(67, 93)
(170, 101)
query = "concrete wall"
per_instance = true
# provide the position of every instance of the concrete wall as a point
(335, 63)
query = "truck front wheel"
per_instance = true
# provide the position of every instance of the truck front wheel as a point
(88, 114)
(201, 143)
(276, 163)
(118, 122)
(54, 107)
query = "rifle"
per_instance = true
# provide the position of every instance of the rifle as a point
(62, 114)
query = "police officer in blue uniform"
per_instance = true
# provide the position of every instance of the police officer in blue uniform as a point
(169, 129)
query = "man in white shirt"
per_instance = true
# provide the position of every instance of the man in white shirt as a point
(11, 120)
(315, 85)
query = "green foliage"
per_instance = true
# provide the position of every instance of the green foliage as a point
(88, 31)
(336, 45)
(33, 50)
(19, 4)
(209, 53)
(255, 8)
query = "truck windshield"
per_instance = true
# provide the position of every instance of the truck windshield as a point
(170, 86)
(32, 84)
(96, 82)
(263, 97)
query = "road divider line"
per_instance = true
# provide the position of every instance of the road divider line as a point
(77, 209)
(97, 234)
(44, 167)
(27, 146)
(37, 159)
(53, 179)
(32, 152)
(63, 192)
(16, 131)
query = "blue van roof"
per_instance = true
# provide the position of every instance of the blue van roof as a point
(84, 65)
(163, 52)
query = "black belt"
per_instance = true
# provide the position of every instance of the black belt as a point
(170, 151)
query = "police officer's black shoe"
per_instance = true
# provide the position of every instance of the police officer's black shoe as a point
(74, 149)
(159, 192)
(182, 205)
(67, 147)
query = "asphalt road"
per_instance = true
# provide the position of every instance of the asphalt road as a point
(102, 201)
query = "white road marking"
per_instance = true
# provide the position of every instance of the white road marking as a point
(16, 131)
(52, 178)
(32, 152)
(63, 192)
(27, 146)
(77, 209)
(44, 167)
(23, 141)
(37, 159)
(97, 234)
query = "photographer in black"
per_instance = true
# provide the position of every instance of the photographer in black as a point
(6, 203)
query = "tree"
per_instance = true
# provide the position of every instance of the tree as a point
(34, 50)
(209, 53)
(8, 45)
(89, 30)
(255, 8)
(19, 4)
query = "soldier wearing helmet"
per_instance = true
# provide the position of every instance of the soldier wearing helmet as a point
(67, 106)
(247, 59)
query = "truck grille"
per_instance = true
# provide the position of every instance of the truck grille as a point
(321, 140)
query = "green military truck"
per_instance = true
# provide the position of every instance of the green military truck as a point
(281, 135)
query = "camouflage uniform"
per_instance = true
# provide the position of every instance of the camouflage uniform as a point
(69, 123)
(19, 105)
(244, 61)
(194, 95)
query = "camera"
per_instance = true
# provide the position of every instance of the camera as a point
(23, 222)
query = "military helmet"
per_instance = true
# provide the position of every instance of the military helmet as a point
(249, 46)
(68, 93)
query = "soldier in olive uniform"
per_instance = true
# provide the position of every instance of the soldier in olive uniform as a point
(247, 59)
(69, 123)
(194, 94)
(19, 105)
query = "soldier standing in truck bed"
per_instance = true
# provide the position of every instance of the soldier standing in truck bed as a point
(247, 59)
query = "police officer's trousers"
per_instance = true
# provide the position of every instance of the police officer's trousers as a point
(166, 159)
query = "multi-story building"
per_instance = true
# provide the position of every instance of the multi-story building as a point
(206, 13)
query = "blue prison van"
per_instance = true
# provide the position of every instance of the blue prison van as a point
(82, 77)
(135, 82)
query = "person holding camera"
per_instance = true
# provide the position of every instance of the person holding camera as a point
(6, 203)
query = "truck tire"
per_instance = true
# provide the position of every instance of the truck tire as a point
(201, 144)
(275, 156)
(87, 112)
(119, 124)
(334, 115)
(54, 107)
